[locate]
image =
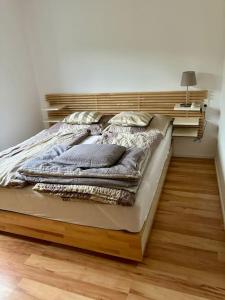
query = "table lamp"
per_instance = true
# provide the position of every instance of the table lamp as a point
(188, 79)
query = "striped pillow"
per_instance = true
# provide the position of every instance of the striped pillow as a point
(131, 118)
(84, 117)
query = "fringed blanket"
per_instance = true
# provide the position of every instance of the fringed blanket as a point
(87, 192)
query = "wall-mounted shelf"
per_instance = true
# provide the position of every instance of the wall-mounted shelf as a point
(186, 121)
(51, 109)
(53, 120)
(185, 132)
(193, 107)
(55, 107)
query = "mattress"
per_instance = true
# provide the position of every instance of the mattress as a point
(87, 213)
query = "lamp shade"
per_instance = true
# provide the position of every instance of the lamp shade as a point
(188, 78)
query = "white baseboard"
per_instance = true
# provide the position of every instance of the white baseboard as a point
(194, 156)
(221, 184)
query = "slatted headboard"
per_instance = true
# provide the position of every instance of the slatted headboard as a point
(112, 103)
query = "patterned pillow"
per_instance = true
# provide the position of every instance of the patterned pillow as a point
(131, 118)
(128, 140)
(95, 129)
(126, 129)
(84, 117)
(159, 122)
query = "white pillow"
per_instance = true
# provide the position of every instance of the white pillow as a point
(131, 118)
(131, 140)
(84, 117)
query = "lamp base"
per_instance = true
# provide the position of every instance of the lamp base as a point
(185, 104)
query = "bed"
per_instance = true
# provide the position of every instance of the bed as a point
(114, 217)
(109, 229)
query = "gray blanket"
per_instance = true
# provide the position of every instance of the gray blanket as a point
(102, 182)
(47, 166)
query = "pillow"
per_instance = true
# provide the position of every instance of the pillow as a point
(131, 118)
(84, 117)
(135, 140)
(160, 123)
(95, 129)
(125, 129)
(92, 155)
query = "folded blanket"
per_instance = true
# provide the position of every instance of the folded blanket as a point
(127, 167)
(99, 194)
(102, 182)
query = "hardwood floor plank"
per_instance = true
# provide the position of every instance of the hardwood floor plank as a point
(185, 256)
(190, 228)
(7, 283)
(19, 270)
(19, 295)
(40, 291)
(65, 283)
(208, 283)
(191, 195)
(221, 256)
(82, 273)
(188, 210)
(187, 240)
(159, 293)
(136, 297)
(184, 218)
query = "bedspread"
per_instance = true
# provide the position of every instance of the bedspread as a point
(13, 158)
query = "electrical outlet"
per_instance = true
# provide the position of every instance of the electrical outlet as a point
(206, 101)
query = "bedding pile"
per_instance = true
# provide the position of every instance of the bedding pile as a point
(64, 173)
(55, 161)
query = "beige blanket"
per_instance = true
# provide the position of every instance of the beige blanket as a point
(12, 159)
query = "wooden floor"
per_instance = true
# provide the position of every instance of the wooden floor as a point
(185, 258)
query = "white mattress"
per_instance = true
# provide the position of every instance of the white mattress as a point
(118, 217)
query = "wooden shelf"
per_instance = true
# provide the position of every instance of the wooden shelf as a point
(185, 132)
(54, 120)
(54, 107)
(186, 121)
(194, 107)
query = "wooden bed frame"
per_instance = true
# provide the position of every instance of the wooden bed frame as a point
(113, 242)
(117, 243)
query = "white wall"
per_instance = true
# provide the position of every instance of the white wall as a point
(221, 142)
(19, 106)
(129, 45)
(221, 136)
(220, 159)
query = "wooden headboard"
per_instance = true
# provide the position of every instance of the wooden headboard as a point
(60, 105)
